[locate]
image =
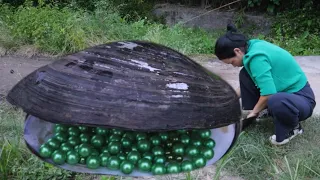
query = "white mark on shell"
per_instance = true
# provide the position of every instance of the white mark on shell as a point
(144, 65)
(180, 73)
(164, 106)
(177, 96)
(102, 65)
(128, 45)
(180, 86)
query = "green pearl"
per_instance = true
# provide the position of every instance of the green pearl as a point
(164, 136)
(141, 136)
(173, 134)
(45, 151)
(158, 169)
(83, 128)
(143, 145)
(85, 150)
(72, 157)
(170, 158)
(148, 155)
(65, 147)
(168, 152)
(97, 141)
(60, 128)
(196, 142)
(186, 166)
(122, 156)
(144, 165)
(73, 131)
(129, 135)
(173, 167)
(126, 142)
(199, 161)
(205, 134)
(115, 138)
(175, 139)
(182, 131)
(155, 140)
(160, 159)
(76, 148)
(195, 135)
(113, 162)
(104, 159)
(73, 140)
(134, 157)
(117, 132)
(207, 153)
(126, 167)
(53, 143)
(61, 137)
(169, 144)
(179, 158)
(157, 150)
(114, 147)
(192, 151)
(185, 139)
(210, 143)
(93, 162)
(178, 149)
(134, 147)
(104, 149)
(58, 157)
(85, 138)
(82, 160)
(101, 131)
(95, 152)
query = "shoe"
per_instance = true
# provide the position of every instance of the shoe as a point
(296, 131)
(264, 114)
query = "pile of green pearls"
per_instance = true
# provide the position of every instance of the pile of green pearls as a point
(115, 149)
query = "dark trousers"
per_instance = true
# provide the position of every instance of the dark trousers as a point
(286, 109)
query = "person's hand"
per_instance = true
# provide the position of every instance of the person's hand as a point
(252, 114)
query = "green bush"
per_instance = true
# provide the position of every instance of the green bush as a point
(297, 22)
(49, 28)
(62, 30)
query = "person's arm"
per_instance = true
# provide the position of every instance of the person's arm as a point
(261, 72)
(261, 104)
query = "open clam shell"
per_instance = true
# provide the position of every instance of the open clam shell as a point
(37, 132)
(131, 85)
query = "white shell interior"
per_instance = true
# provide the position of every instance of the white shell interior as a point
(37, 132)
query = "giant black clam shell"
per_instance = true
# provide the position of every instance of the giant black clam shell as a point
(132, 85)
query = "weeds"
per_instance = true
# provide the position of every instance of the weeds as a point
(255, 158)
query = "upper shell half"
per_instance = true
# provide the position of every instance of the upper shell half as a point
(132, 85)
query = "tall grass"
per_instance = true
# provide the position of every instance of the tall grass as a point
(255, 158)
(56, 30)
(62, 30)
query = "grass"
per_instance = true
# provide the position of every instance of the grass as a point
(255, 158)
(58, 31)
